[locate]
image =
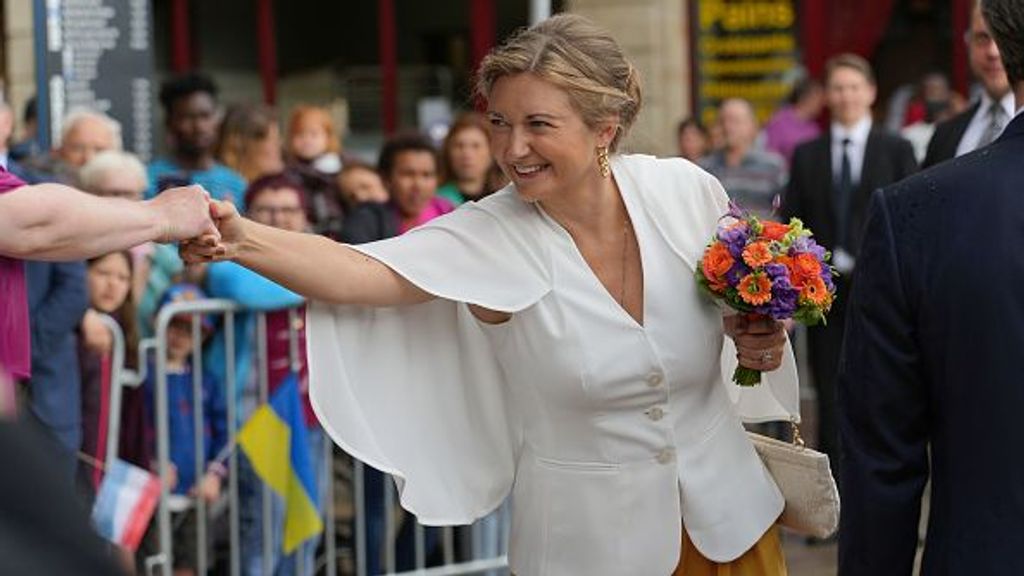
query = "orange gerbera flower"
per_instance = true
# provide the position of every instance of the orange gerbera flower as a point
(774, 230)
(815, 292)
(717, 261)
(806, 267)
(755, 289)
(757, 254)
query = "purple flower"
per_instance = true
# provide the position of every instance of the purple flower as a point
(784, 299)
(735, 239)
(738, 271)
(806, 244)
(736, 211)
(826, 276)
(776, 271)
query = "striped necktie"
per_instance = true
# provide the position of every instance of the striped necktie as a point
(996, 123)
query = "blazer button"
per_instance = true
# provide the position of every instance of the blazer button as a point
(655, 413)
(665, 455)
(655, 379)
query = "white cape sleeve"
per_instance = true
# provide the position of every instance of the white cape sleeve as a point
(416, 391)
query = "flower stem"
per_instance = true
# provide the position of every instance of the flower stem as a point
(746, 376)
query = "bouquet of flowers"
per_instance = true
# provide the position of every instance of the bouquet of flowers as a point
(767, 269)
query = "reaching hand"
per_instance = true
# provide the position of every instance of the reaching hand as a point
(183, 213)
(221, 245)
(208, 487)
(95, 333)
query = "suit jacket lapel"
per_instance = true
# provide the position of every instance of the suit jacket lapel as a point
(962, 122)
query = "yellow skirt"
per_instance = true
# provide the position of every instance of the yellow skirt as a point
(763, 559)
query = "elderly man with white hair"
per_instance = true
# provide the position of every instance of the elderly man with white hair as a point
(84, 133)
(156, 266)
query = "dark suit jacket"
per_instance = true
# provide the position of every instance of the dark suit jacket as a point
(947, 137)
(932, 358)
(57, 299)
(810, 195)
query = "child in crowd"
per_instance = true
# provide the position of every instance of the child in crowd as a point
(313, 140)
(313, 151)
(109, 281)
(185, 479)
(360, 183)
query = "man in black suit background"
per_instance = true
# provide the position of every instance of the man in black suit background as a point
(930, 381)
(831, 180)
(982, 122)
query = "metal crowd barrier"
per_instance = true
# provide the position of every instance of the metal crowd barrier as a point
(484, 542)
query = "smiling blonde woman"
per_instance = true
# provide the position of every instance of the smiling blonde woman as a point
(549, 341)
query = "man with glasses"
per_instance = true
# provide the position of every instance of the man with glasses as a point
(980, 124)
(930, 379)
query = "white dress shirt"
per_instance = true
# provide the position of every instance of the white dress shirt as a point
(858, 135)
(611, 435)
(980, 120)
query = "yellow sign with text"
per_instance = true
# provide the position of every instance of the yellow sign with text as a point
(744, 49)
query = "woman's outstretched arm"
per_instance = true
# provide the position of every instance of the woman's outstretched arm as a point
(311, 265)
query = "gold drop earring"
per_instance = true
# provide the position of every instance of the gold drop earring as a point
(602, 161)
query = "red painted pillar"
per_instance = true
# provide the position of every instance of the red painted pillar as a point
(181, 37)
(814, 26)
(482, 25)
(961, 22)
(483, 17)
(388, 49)
(267, 49)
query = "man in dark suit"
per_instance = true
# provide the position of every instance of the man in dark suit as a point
(980, 124)
(57, 299)
(831, 180)
(930, 379)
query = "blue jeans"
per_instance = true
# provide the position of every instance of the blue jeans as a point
(250, 502)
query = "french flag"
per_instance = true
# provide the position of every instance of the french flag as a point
(125, 503)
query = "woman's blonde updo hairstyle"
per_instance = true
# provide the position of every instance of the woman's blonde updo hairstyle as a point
(578, 56)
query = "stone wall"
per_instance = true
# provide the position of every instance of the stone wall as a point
(19, 52)
(655, 36)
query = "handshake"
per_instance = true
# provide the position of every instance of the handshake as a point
(207, 230)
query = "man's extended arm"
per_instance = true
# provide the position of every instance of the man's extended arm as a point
(55, 222)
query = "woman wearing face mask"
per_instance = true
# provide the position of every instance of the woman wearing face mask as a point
(550, 341)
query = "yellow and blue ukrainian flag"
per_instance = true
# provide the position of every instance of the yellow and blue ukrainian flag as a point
(274, 439)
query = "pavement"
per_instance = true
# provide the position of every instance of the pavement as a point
(805, 560)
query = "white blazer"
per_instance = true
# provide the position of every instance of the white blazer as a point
(606, 432)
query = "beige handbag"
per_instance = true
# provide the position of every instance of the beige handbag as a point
(805, 480)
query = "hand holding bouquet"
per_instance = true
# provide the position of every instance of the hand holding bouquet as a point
(767, 269)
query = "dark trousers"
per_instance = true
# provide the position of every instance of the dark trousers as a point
(824, 347)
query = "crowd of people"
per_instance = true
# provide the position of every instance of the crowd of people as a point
(300, 181)
(277, 221)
